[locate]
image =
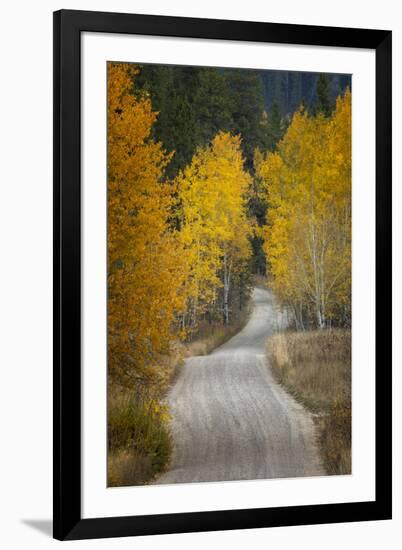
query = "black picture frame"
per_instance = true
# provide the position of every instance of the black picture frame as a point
(68, 522)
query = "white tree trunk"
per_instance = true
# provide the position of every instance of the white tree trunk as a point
(226, 288)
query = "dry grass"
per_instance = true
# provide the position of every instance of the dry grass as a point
(139, 442)
(126, 467)
(261, 281)
(211, 336)
(315, 367)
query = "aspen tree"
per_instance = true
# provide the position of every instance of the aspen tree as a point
(146, 260)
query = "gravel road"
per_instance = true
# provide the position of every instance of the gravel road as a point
(231, 420)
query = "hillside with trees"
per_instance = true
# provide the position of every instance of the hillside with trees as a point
(215, 176)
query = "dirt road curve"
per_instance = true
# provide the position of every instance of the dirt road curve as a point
(231, 420)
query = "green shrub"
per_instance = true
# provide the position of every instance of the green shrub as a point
(139, 442)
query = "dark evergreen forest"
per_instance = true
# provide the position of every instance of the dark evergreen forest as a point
(194, 103)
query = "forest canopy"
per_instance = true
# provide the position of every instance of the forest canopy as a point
(215, 175)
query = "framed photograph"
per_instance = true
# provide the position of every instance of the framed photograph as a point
(222, 275)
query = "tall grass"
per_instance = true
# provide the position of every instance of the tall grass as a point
(139, 442)
(315, 367)
(211, 336)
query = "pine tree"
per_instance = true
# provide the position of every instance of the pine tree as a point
(212, 105)
(323, 95)
(296, 94)
(247, 109)
(275, 127)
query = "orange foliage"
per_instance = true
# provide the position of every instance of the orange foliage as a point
(146, 260)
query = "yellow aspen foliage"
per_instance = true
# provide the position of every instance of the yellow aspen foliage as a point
(146, 260)
(215, 229)
(307, 238)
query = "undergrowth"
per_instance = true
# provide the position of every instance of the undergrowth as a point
(315, 367)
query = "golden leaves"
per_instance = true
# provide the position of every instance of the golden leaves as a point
(212, 193)
(146, 261)
(307, 184)
(171, 245)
